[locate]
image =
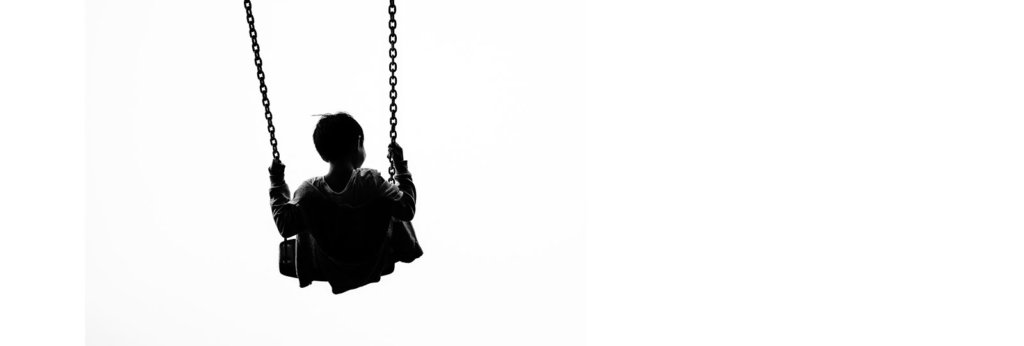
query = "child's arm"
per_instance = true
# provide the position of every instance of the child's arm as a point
(287, 216)
(405, 207)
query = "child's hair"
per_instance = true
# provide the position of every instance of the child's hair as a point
(336, 135)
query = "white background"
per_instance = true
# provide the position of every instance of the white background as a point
(792, 173)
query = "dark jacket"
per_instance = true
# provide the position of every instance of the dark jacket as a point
(351, 237)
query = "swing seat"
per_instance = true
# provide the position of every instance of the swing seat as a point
(287, 258)
(347, 247)
(404, 243)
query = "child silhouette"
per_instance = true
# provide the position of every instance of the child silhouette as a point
(351, 224)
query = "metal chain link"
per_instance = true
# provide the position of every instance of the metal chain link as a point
(259, 74)
(393, 66)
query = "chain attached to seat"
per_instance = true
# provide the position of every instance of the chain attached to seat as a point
(393, 66)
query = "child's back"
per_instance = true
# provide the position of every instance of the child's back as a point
(347, 229)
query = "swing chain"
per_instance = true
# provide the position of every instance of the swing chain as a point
(393, 81)
(259, 74)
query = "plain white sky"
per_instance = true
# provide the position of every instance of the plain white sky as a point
(599, 172)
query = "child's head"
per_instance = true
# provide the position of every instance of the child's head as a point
(339, 138)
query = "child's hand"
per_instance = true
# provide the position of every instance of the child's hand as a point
(396, 152)
(276, 171)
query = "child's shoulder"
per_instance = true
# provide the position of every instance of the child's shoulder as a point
(367, 178)
(311, 182)
(309, 186)
(367, 173)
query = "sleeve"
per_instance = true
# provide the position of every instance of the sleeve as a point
(288, 216)
(402, 195)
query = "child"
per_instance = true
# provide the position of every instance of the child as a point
(349, 222)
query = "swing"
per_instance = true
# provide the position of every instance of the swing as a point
(295, 252)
